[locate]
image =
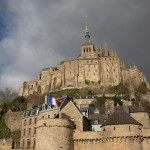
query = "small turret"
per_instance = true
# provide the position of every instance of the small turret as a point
(116, 54)
(106, 53)
(112, 53)
(101, 51)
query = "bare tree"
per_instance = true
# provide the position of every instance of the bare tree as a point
(7, 95)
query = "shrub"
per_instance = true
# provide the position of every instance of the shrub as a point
(87, 82)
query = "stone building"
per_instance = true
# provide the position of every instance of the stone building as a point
(100, 66)
(66, 127)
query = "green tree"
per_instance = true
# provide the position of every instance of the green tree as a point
(117, 100)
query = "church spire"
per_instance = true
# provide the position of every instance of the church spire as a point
(87, 35)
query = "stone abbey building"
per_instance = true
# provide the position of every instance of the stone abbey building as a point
(101, 66)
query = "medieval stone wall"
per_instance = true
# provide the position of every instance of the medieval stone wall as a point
(13, 120)
(141, 117)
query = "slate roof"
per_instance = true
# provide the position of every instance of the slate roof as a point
(135, 109)
(36, 110)
(120, 117)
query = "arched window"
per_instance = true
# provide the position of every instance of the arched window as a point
(89, 49)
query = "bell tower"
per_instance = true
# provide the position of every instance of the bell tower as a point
(87, 49)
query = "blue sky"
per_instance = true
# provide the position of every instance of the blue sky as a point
(36, 34)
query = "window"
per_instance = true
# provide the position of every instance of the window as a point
(96, 121)
(29, 133)
(94, 74)
(87, 61)
(25, 122)
(34, 142)
(34, 130)
(22, 143)
(35, 120)
(84, 49)
(42, 117)
(89, 49)
(24, 132)
(28, 142)
(30, 121)
(114, 70)
(114, 128)
(91, 61)
(48, 116)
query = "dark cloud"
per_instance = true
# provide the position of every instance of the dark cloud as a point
(40, 34)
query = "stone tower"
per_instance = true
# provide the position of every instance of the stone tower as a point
(122, 131)
(54, 134)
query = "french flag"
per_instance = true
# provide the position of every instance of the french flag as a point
(52, 101)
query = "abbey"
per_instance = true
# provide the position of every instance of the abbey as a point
(98, 66)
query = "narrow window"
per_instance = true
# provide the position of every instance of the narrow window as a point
(34, 142)
(84, 49)
(34, 130)
(23, 143)
(28, 142)
(129, 127)
(35, 120)
(48, 116)
(114, 128)
(30, 121)
(42, 117)
(89, 49)
(29, 133)
(25, 122)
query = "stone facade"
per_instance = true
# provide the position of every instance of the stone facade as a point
(95, 66)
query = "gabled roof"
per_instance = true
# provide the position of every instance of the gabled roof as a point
(120, 117)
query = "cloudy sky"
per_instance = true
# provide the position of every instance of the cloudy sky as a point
(36, 34)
